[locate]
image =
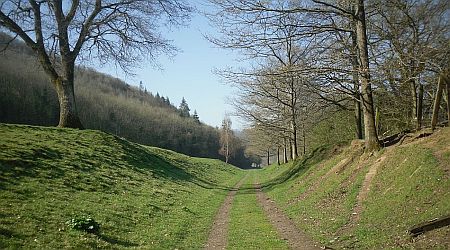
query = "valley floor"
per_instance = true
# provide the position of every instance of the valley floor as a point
(340, 197)
(257, 223)
(149, 198)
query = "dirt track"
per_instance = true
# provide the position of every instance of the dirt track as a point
(285, 226)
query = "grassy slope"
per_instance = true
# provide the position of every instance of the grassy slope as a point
(411, 186)
(143, 197)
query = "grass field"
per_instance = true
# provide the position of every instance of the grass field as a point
(143, 197)
(411, 186)
(151, 198)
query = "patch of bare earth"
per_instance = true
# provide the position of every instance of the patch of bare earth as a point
(285, 227)
(365, 188)
(362, 195)
(217, 238)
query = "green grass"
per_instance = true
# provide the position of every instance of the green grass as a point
(151, 198)
(249, 227)
(328, 207)
(143, 197)
(411, 186)
(419, 192)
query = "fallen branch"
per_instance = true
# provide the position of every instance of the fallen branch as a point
(393, 139)
(429, 225)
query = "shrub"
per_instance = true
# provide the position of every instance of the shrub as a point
(84, 223)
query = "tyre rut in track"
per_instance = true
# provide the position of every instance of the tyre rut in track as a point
(284, 225)
(219, 232)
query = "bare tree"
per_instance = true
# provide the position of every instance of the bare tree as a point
(370, 131)
(271, 90)
(410, 44)
(443, 83)
(226, 139)
(264, 142)
(59, 32)
(252, 26)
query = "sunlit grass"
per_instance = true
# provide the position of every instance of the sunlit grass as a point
(151, 198)
(410, 187)
(249, 226)
(419, 192)
(142, 197)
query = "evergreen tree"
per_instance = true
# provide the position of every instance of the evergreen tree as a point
(195, 116)
(141, 87)
(184, 108)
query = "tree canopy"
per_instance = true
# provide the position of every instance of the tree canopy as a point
(59, 32)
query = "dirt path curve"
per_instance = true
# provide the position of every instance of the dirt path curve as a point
(217, 238)
(285, 226)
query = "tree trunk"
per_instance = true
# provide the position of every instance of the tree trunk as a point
(68, 116)
(278, 155)
(293, 120)
(294, 150)
(294, 141)
(370, 131)
(357, 93)
(358, 117)
(446, 79)
(377, 120)
(304, 138)
(285, 152)
(437, 101)
(412, 85)
(420, 107)
(227, 154)
(448, 101)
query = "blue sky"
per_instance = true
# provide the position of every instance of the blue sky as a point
(189, 74)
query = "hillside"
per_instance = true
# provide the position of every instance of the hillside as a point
(346, 199)
(104, 103)
(142, 196)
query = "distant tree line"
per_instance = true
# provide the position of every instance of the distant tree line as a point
(105, 103)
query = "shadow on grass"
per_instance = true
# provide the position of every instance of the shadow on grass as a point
(9, 234)
(76, 162)
(140, 158)
(115, 241)
(299, 167)
(12, 170)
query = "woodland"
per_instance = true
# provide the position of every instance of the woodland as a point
(108, 104)
(330, 71)
(346, 105)
(322, 72)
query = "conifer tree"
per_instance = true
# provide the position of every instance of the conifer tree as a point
(195, 116)
(184, 108)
